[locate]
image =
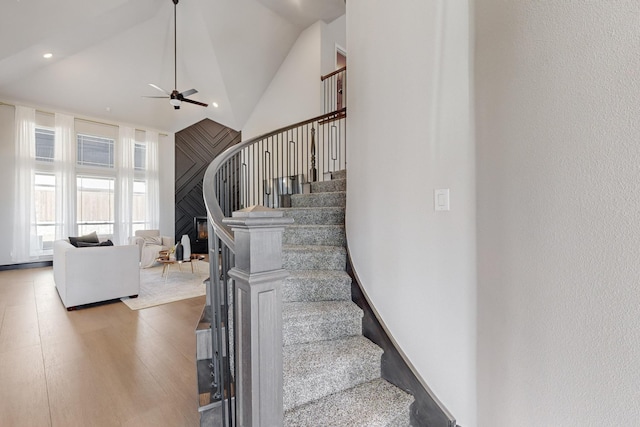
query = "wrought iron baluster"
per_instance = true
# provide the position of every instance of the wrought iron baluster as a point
(313, 172)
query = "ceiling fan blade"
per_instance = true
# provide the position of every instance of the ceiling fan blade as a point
(159, 88)
(195, 102)
(188, 92)
(165, 97)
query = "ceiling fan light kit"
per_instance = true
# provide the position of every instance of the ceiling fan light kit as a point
(176, 98)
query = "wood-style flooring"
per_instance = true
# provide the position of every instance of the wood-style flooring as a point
(101, 366)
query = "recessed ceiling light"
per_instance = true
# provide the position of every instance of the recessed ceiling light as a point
(215, 104)
(47, 55)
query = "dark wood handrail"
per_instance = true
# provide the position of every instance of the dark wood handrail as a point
(323, 78)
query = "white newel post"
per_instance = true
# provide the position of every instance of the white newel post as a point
(258, 276)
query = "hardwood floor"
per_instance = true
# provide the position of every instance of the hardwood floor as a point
(101, 366)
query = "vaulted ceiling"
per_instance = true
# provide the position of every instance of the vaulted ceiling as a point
(105, 53)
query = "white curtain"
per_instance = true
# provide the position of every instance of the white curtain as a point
(64, 167)
(124, 211)
(25, 240)
(153, 184)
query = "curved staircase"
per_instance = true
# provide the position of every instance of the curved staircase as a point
(331, 372)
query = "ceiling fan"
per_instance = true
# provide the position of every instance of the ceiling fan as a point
(176, 98)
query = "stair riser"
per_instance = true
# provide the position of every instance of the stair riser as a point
(319, 200)
(402, 420)
(327, 236)
(342, 174)
(320, 330)
(376, 403)
(329, 186)
(310, 291)
(313, 260)
(325, 216)
(203, 344)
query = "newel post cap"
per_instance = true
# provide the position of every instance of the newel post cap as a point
(258, 238)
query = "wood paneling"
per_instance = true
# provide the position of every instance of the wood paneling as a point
(196, 147)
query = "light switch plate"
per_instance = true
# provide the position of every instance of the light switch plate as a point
(441, 199)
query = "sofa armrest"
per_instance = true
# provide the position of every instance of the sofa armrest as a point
(139, 241)
(60, 250)
(168, 241)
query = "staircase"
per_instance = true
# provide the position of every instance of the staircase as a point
(331, 372)
(325, 373)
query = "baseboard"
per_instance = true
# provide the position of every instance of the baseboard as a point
(427, 410)
(26, 265)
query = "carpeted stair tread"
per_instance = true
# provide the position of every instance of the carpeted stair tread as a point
(335, 199)
(318, 369)
(316, 215)
(327, 235)
(320, 321)
(316, 285)
(329, 186)
(341, 174)
(312, 257)
(375, 403)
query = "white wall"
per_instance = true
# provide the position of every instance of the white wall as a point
(167, 175)
(558, 134)
(408, 134)
(166, 152)
(294, 94)
(334, 33)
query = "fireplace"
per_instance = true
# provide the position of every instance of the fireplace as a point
(201, 231)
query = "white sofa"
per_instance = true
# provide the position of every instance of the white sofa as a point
(94, 274)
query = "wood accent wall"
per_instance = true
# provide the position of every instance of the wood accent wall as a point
(196, 147)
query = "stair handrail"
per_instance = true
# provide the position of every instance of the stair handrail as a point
(333, 73)
(212, 205)
(334, 89)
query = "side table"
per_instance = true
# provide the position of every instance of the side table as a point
(168, 262)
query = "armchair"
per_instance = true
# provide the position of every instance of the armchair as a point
(88, 275)
(149, 244)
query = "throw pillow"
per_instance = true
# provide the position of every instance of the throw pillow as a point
(87, 238)
(92, 244)
(153, 240)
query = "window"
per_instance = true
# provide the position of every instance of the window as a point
(44, 144)
(45, 211)
(140, 154)
(82, 165)
(95, 203)
(95, 151)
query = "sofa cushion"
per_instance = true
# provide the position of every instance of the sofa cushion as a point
(87, 238)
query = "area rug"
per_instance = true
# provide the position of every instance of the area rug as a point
(179, 285)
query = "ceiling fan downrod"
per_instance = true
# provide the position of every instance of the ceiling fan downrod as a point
(175, 44)
(176, 98)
